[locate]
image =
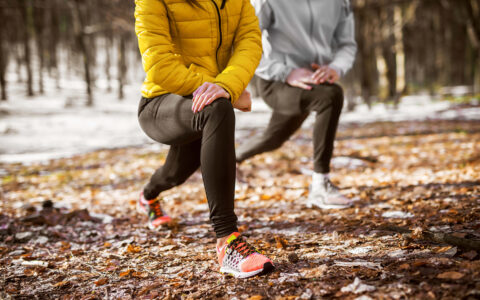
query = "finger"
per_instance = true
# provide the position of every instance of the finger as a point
(318, 75)
(198, 92)
(201, 97)
(208, 100)
(200, 89)
(302, 85)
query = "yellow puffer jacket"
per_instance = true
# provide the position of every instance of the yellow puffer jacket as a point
(183, 46)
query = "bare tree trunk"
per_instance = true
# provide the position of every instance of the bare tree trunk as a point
(122, 65)
(26, 16)
(389, 53)
(108, 60)
(473, 13)
(3, 56)
(39, 26)
(79, 26)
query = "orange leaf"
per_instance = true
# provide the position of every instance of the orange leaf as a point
(125, 273)
(451, 275)
(133, 249)
(61, 283)
(266, 197)
(101, 281)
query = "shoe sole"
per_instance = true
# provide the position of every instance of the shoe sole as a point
(267, 268)
(327, 206)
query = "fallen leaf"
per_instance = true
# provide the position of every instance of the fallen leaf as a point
(470, 255)
(125, 273)
(101, 281)
(281, 242)
(256, 297)
(133, 249)
(451, 275)
(61, 283)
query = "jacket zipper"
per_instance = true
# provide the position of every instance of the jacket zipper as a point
(220, 29)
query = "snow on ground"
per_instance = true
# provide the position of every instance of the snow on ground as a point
(58, 124)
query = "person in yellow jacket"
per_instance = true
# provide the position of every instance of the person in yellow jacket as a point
(199, 56)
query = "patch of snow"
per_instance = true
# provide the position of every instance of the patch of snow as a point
(397, 253)
(357, 287)
(57, 124)
(365, 264)
(360, 250)
(397, 215)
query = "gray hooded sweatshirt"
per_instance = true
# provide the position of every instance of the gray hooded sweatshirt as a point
(297, 33)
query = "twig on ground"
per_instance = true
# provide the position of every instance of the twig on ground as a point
(437, 237)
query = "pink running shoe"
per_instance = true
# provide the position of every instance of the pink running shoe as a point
(156, 217)
(240, 259)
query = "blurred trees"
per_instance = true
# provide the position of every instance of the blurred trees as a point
(408, 45)
(404, 45)
(56, 38)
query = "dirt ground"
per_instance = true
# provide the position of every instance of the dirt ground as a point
(69, 229)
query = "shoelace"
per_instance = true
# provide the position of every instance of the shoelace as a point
(329, 186)
(242, 247)
(155, 207)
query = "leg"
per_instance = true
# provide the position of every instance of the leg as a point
(327, 102)
(203, 139)
(182, 161)
(217, 121)
(279, 130)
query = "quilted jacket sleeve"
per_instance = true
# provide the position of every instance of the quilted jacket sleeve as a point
(162, 66)
(247, 51)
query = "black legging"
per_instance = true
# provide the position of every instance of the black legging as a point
(206, 140)
(326, 100)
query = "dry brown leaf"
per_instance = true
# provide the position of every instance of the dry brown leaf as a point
(256, 297)
(107, 245)
(451, 275)
(417, 233)
(133, 249)
(125, 273)
(101, 281)
(443, 249)
(61, 283)
(281, 242)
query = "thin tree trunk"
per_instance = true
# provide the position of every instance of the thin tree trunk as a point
(25, 13)
(39, 26)
(3, 57)
(108, 60)
(79, 26)
(122, 66)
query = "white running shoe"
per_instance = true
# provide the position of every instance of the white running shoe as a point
(324, 194)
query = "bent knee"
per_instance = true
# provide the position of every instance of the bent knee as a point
(332, 93)
(222, 108)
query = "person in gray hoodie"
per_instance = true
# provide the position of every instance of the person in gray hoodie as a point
(308, 45)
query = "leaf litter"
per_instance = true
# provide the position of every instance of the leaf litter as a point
(69, 228)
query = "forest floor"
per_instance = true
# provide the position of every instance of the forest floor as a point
(69, 228)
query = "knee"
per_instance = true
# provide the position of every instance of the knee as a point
(222, 111)
(336, 96)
